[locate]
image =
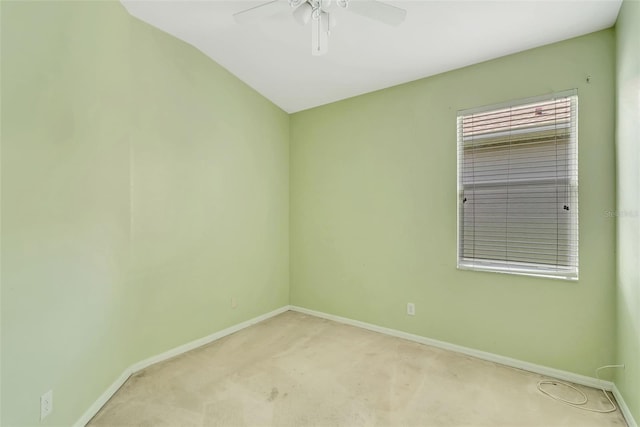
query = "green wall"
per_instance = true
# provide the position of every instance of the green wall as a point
(373, 212)
(628, 206)
(210, 192)
(143, 187)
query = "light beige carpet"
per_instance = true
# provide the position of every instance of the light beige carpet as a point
(299, 370)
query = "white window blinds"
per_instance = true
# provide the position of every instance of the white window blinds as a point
(518, 187)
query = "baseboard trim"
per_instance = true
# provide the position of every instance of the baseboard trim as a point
(205, 340)
(626, 412)
(491, 357)
(113, 388)
(104, 398)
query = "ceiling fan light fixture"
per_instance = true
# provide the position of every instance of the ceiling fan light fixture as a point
(322, 18)
(302, 13)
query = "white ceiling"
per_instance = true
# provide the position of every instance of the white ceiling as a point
(274, 55)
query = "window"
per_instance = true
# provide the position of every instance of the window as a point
(518, 187)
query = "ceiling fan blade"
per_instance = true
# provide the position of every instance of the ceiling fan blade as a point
(382, 12)
(259, 12)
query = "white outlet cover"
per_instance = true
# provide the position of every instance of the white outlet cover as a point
(411, 309)
(46, 404)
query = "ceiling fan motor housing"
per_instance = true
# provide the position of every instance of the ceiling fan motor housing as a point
(317, 11)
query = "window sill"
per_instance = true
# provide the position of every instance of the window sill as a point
(521, 269)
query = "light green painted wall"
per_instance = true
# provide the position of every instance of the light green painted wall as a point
(143, 186)
(373, 212)
(65, 207)
(628, 204)
(210, 195)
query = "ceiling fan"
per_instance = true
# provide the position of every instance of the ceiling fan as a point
(321, 16)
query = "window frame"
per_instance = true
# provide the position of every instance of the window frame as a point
(570, 272)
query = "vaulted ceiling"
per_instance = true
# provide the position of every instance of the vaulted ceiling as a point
(273, 54)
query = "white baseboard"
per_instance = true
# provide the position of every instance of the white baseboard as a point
(104, 397)
(99, 403)
(503, 360)
(626, 412)
(206, 340)
(491, 357)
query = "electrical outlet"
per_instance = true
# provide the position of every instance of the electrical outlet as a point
(411, 309)
(46, 404)
(234, 302)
